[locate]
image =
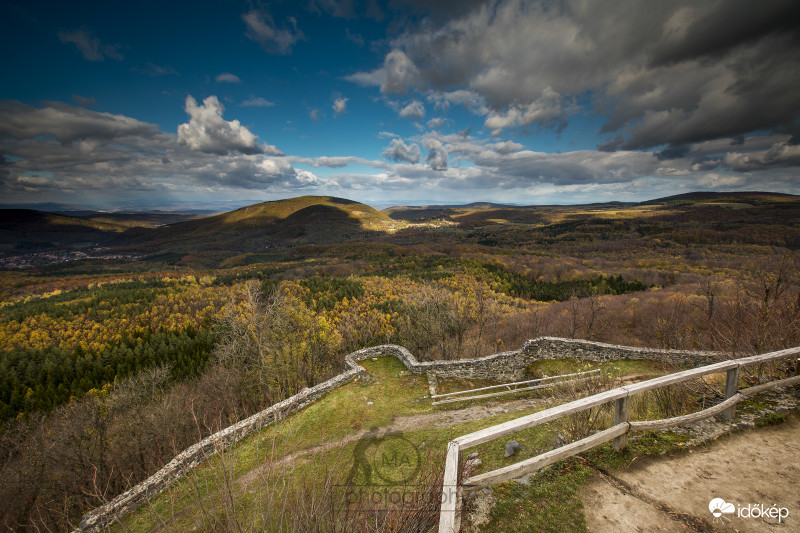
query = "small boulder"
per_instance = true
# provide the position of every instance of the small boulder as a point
(512, 447)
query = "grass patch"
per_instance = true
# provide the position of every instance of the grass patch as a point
(770, 419)
(550, 503)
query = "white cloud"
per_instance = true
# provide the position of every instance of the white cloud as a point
(398, 151)
(506, 147)
(436, 123)
(255, 101)
(208, 132)
(90, 46)
(779, 155)
(261, 28)
(470, 100)
(545, 110)
(313, 114)
(227, 77)
(437, 155)
(413, 110)
(397, 75)
(339, 105)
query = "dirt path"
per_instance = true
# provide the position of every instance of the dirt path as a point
(673, 494)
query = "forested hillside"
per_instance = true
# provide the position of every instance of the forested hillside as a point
(109, 368)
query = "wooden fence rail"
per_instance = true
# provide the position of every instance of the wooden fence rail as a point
(512, 388)
(449, 517)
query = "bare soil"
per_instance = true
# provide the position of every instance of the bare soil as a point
(673, 493)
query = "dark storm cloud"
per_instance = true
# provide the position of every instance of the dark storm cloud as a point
(668, 72)
(728, 25)
(66, 123)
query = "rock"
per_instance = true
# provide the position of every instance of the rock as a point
(525, 480)
(561, 440)
(473, 455)
(489, 404)
(512, 447)
(370, 403)
(470, 465)
(421, 445)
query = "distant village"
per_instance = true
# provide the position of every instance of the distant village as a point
(52, 257)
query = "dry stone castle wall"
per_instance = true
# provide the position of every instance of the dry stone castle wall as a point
(503, 366)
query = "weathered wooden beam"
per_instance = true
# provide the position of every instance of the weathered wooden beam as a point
(652, 425)
(525, 422)
(540, 461)
(771, 356)
(755, 389)
(501, 393)
(450, 505)
(678, 377)
(500, 386)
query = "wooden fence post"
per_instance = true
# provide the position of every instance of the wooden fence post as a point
(731, 388)
(622, 414)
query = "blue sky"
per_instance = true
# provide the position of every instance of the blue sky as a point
(217, 105)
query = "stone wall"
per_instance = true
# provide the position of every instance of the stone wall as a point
(503, 366)
(556, 348)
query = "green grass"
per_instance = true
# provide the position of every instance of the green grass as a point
(549, 504)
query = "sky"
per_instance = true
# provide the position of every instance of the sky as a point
(216, 105)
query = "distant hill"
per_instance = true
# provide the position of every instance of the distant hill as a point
(268, 229)
(29, 230)
(724, 197)
(306, 219)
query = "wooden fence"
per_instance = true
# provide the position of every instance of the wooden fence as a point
(513, 388)
(450, 519)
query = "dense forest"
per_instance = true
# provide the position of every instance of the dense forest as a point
(109, 368)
